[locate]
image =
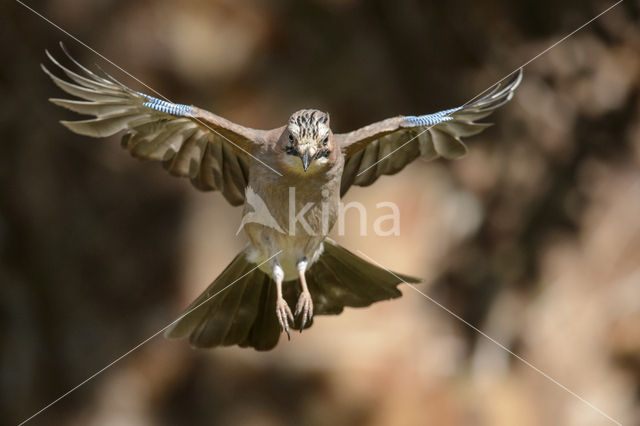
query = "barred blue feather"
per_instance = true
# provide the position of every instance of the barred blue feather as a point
(431, 119)
(166, 107)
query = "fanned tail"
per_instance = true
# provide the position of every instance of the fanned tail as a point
(241, 309)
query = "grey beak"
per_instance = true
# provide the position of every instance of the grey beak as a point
(306, 160)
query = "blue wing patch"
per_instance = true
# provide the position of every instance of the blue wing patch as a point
(431, 119)
(166, 107)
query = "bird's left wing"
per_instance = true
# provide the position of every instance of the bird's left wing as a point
(191, 142)
(386, 147)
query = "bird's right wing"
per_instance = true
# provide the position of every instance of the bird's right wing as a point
(212, 152)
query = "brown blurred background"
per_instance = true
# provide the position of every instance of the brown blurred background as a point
(534, 237)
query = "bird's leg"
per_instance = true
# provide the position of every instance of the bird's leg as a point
(305, 304)
(282, 309)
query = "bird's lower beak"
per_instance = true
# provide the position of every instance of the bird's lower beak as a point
(306, 160)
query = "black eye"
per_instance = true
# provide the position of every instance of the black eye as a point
(290, 137)
(325, 141)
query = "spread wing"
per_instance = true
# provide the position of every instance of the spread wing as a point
(386, 147)
(190, 142)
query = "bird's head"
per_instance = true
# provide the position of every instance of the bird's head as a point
(309, 138)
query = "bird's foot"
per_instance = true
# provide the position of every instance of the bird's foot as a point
(304, 308)
(284, 315)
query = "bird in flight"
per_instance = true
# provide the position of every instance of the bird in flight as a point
(286, 262)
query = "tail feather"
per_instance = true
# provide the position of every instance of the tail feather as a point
(265, 331)
(341, 278)
(241, 310)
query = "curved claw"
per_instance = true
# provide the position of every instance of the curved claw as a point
(284, 316)
(304, 307)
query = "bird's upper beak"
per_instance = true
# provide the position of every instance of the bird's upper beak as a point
(306, 160)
